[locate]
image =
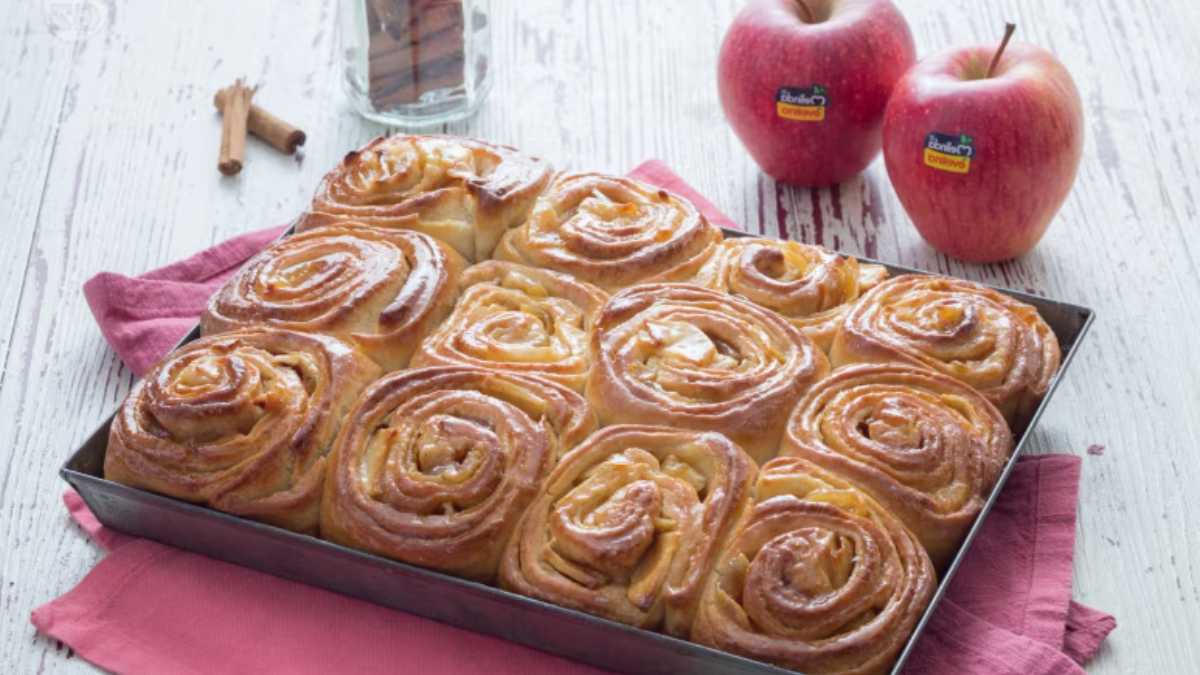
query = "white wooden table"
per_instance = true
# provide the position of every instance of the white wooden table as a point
(108, 146)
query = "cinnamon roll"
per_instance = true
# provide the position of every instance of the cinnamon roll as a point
(819, 577)
(380, 290)
(926, 446)
(810, 286)
(519, 319)
(435, 465)
(241, 422)
(612, 232)
(461, 191)
(1000, 346)
(693, 358)
(630, 524)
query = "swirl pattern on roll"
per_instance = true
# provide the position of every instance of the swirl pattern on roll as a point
(612, 232)
(818, 578)
(380, 290)
(466, 193)
(810, 286)
(926, 446)
(434, 466)
(1000, 346)
(513, 318)
(694, 358)
(241, 422)
(630, 524)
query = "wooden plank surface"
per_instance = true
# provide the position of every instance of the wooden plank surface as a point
(108, 146)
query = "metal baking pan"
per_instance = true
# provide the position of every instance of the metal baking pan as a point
(467, 604)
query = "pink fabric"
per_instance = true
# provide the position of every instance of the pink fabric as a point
(1009, 607)
(149, 608)
(144, 317)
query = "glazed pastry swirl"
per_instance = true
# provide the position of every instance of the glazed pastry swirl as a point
(514, 318)
(694, 358)
(435, 465)
(926, 446)
(810, 286)
(461, 191)
(612, 232)
(998, 345)
(381, 290)
(240, 421)
(818, 578)
(630, 524)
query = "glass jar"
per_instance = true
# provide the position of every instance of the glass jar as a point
(413, 63)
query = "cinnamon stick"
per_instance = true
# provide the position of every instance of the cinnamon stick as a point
(234, 115)
(279, 134)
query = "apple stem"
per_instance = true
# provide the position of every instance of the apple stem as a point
(1009, 29)
(806, 12)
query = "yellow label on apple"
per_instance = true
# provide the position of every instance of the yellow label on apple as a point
(802, 104)
(947, 152)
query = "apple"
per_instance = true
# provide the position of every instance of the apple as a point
(982, 145)
(804, 83)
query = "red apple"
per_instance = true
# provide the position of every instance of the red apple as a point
(804, 83)
(982, 163)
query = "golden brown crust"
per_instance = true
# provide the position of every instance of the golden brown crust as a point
(435, 465)
(630, 524)
(513, 318)
(819, 578)
(924, 445)
(811, 287)
(693, 358)
(1000, 346)
(612, 232)
(240, 421)
(465, 192)
(380, 290)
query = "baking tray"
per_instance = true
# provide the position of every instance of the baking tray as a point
(468, 604)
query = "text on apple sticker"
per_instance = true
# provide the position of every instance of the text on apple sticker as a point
(949, 152)
(802, 104)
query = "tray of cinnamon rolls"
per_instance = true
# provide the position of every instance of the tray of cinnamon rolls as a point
(565, 409)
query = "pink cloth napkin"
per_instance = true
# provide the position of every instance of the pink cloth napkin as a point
(144, 317)
(149, 608)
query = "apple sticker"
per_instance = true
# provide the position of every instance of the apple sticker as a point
(948, 152)
(802, 104)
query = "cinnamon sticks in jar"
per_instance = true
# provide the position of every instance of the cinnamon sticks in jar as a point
(239, 116)
(414, 47)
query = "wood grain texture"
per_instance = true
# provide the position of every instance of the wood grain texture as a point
(108, 145)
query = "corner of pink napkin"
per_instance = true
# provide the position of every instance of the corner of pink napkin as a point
(1020, 569)
(150, 608)
(107, 538)
(1087, 629)
(143, 317)
(1009, 608)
